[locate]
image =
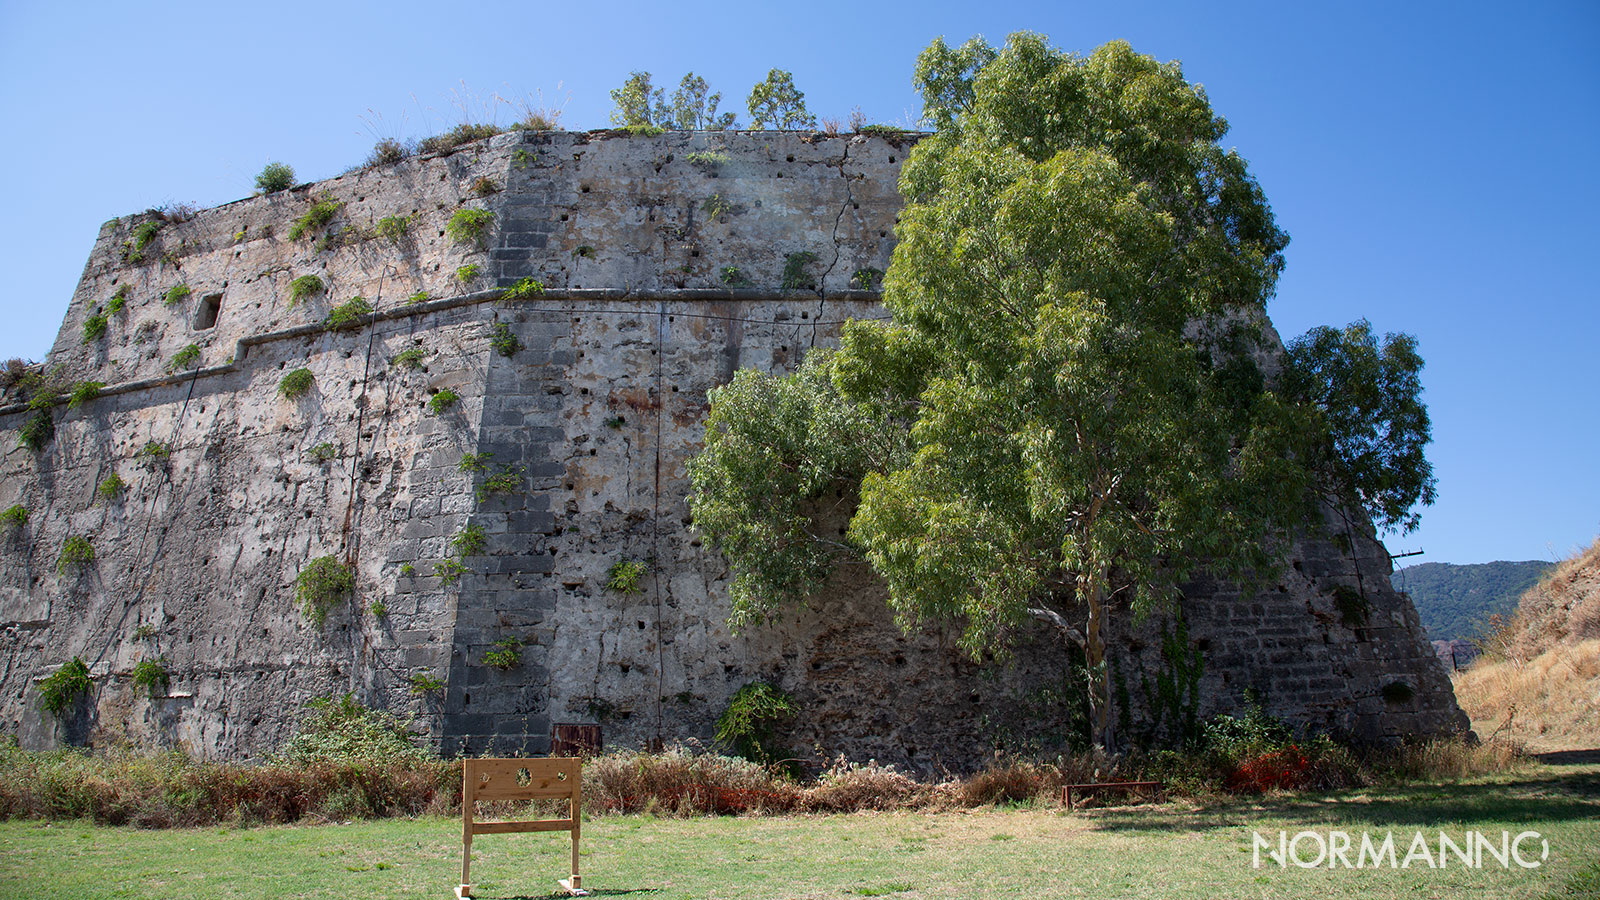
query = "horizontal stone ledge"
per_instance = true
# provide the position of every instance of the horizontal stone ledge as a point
(530, 304)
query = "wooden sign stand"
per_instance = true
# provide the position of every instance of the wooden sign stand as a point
(521, 779)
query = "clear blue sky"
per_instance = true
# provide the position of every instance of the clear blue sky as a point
(1437, 164)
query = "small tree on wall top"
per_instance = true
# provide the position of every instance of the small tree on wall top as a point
(776, 102)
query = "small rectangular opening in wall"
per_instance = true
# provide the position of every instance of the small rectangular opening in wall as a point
(206, 315)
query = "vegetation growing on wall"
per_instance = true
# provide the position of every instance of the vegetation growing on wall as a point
(795, 276)
(468, 226)
(303, 287)
(37, 430)
(464, 133)
(186, 358)
(749, 725)
(154, 454)
(296, 384)
(715, 207)
(62, 688)
(348, 314)
(94, 327)
(474, 462)
(76, 554)
(422, 683)
(467, 274)
(504, 341)
(322, 211)
(626, 576)
(505, 654)
(442, 401)
(469, 541)
(321, 585)
(777, 103)
(275, 177)
(151, 674)
(524, 289)
(118, 300)
(143, 233)
(84, 392)
(867, 279)
(506, 481)
(392, 228)
(111, 488)
(410, 358)
(176, 294)
(449, 570)
(16, 516)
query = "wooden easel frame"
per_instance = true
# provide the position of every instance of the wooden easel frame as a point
(520, 779)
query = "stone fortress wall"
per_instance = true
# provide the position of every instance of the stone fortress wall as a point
(593, 417)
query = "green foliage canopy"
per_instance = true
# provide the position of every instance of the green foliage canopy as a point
(693, 107)
(1369, 396)
(1066, 412)
(776, 102)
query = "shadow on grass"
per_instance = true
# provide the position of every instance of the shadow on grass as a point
(1542, 796)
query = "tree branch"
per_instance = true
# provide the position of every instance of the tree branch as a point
(1054, 618)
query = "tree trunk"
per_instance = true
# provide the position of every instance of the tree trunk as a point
(1091, 587)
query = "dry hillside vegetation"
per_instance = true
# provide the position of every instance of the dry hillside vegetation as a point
(1545, 662)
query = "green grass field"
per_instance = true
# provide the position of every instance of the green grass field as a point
(1179, 850)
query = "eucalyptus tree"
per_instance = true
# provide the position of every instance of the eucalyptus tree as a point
(1067, 414)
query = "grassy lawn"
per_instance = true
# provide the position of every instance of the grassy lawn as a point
(1175, 851)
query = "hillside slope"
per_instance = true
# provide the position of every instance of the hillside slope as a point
(1544, 664)
(1456, 601)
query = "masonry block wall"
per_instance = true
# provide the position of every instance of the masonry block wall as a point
(662, 261)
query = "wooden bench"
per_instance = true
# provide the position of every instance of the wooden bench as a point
(1133, 787)
(520, 779)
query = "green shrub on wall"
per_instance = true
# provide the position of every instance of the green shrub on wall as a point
(392, 228)
(316, 218)
(83, 393)
(504, 341)
(151, 674)
(94, 328)
(507, 654)
(37, 430)
(442, 401)
(303, 287)
(176, 294)
(468, 226)
(275, 177)
(186, 358)
(411, 358)
(626, 576)
(321, 585)
(748, 727)
(61, 688)
(76, 554)
(15, 517)
(111, 488)
(348, 314)
(506, 481)
(470, 541)
(296, 384)
(525, 289)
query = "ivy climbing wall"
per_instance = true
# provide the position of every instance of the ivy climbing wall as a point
(510, 347)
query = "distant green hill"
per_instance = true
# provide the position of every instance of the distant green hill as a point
(1455, 601)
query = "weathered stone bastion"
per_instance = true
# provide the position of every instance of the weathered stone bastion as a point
(663, 262)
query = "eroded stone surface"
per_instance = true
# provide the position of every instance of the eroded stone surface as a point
(595, 416)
